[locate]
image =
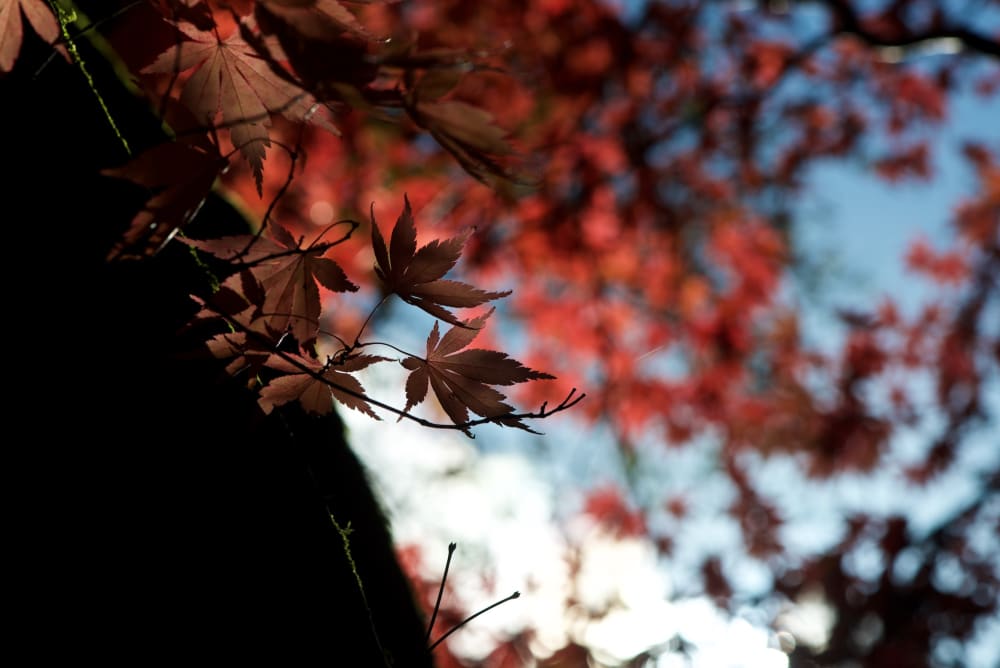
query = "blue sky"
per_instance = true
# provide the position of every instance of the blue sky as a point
(867, 222)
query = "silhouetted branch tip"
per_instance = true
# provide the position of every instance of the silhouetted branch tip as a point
(468, 619)
(437, 603)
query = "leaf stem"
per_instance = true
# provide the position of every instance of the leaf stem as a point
(357, 339)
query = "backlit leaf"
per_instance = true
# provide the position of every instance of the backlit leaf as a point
(39, 15)
(315, 385)
(232, 79)
(416, 275)
(288, 276)
(461, 379)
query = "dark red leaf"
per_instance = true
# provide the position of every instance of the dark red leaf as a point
(416, 275)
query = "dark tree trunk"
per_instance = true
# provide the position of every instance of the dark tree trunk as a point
(164, 516)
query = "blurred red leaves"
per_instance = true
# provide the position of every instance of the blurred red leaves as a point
(909, 162)
(944, 267)
(609, 509)
(654, 253)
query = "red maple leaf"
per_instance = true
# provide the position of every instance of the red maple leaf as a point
(287, 275)
(315, 17)
(315, 385)
(234, 347)
(178, 177)
(39, 15)
(249, 342)
(461, 378)
(416, 275)
(468, 132)
(232, 78)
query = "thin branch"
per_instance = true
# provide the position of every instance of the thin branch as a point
(312, 248)
(359, 344)
(293, 154)
(850, 22)
(357, 339)
(468, 619)
(437, 604)
(330, 244)
(568, 402)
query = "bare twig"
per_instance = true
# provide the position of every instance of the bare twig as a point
(468, 619)
(437, 604)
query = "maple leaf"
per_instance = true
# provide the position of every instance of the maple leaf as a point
(239, 299)
(324, 43)
(243, 352)
(179, 177)
(287, 275)
(314, 385)
(461, 378)
(250, 343)
(39, 15)
(416, 275)
(232, 78)
(315, 18)
(469, 133)
(456, 123)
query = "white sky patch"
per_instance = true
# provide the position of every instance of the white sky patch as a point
(810, 621)
(621, 576)
(721, 642)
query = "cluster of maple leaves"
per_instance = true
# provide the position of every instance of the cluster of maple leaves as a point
(232, 61)
(274, 292)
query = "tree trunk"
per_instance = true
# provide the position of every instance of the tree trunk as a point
(166, 516)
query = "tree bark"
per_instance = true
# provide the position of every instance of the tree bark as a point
(164, 516)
